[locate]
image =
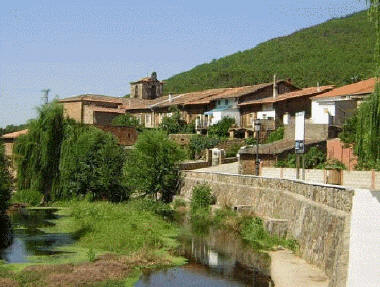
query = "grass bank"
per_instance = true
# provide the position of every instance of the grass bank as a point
(113, 243)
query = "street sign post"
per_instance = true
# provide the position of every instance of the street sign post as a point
(299, 137)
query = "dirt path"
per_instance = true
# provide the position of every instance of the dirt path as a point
(290, 270)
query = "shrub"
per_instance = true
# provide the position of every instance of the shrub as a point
(30, 197)
(198, 143)
(152, 167)
(233, 150)
(220, 129)
(250, 141)
(201, 197)
(91, 164)
(174, 124)
(314, 158)
(127, 120)
(5, 181)
(334, 164)
(276, 135)
(179, 203)
(253, 231)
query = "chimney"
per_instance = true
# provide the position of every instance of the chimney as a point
(318, 87)
(274, 86)
(170, 98)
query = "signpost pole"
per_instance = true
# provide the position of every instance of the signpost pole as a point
(299, 137)
(298, 166)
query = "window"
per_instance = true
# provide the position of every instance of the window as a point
(136, 91)
(226, 102)
(218, 102)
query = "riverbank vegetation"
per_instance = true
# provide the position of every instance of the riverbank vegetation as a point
(65, 160)
(250, 227)
(114, 242)
(5, 181)
(151, 168)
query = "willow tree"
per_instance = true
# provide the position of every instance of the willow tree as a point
(368, 116)
(364, 128)
(5, 181)
(37, 153)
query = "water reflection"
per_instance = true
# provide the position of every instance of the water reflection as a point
(218, 258)
(28, 239)
(5, 231)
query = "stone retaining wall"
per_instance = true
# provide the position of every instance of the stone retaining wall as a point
(193, 165)
(318, 215)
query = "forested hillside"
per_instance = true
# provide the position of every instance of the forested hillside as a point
(335, 52)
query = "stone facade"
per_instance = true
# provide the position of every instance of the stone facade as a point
(318, 215)
(127, 136)
(74, 111)
(148, 88)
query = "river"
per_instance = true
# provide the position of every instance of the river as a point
(215, 257)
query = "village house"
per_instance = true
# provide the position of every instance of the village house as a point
(279, 109)
(334, 107)
(9, 140)
(204, 108)
(93, 109)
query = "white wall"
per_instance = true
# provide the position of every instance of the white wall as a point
(364, 258)
(320, 112)
(266, 114)
(231, 113)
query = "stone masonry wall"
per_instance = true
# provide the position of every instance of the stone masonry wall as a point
(318, 215)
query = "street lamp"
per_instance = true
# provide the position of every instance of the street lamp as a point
(257, 130)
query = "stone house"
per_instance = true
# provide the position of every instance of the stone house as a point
(204, 107)
(9, 140)
(278, 109)
(93, 109)
(334, 107)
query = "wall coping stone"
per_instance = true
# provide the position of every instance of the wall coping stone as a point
(275, 178)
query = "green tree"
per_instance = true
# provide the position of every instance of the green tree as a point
(220, 129)
(127, 120)
(5, 181)
(363, 130)
(152, 167)
(37, 153)
(173, 124)
(91, 164)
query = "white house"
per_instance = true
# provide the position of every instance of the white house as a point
(334, 107)
(224, 108)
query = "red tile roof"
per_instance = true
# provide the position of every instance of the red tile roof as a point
(15, 135)
(195, 98)
(291, 95)
(93, 98)
(360, 88)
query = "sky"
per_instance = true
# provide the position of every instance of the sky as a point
(93, 46)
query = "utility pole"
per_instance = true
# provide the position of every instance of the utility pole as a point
(45, 96)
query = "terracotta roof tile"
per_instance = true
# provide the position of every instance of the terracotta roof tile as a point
(359, 88)
(286, 96)
(93, 98)
(15, 135)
